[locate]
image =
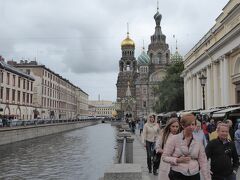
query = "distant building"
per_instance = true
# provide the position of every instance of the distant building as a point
(82, 103)
(16, 92)
(54, 96)
(217, 57)
(101, 108)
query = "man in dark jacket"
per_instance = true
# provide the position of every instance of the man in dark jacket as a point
(223, 155)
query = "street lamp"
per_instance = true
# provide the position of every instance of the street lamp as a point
(203, 80)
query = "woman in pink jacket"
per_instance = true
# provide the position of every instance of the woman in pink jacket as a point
(186, 154)
(171, 128)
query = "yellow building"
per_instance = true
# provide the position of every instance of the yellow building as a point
(101, 108)
(217, 57)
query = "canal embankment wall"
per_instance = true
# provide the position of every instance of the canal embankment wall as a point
(14, 134)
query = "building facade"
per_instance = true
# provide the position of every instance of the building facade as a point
(102, 108)
(149, 70)
(54, 96)
(217, 57)
(82, 103)
(16, 92)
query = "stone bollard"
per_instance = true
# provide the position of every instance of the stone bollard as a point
(123, 172)
(120, 145)
(129, 150)
(129, 146)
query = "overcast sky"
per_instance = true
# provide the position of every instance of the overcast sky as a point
(80, 39)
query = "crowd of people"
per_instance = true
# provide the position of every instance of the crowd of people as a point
(188, 149)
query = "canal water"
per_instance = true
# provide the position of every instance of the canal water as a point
(79, 154)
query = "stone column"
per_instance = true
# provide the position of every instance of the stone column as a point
(194, 90)
(185, 93)
(225, 81)
(208, 88)
(215, 83)
(190, 93)
(199, 95)
(221, 83)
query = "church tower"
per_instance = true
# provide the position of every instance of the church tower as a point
(158, 49)
(159, 53)
(127, 69)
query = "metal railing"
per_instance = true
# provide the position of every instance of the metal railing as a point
(16, 123)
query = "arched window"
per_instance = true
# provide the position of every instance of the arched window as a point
(159, 58)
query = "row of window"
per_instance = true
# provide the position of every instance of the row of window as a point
(56, 94)
(16, 96)
(56, 79)
(20, 82)
(50, 103)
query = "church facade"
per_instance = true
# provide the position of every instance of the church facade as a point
(143, 74)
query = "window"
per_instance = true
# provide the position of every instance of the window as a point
(8, 78)
(1, 93)
(13, 94)
(23, 98)
(7, 94)
(144, 104)
(18, 96)
(1, 78)
(14, 79)
(24, 83)
(31, 98)
(19, 82)
(27, 85)
(27, 97)
(31, 86)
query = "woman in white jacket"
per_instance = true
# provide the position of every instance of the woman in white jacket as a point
(150, 133)
(172, 127)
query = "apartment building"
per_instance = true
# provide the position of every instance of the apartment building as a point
(16, 92)
(53, 96)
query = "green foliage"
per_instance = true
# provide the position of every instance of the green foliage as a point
(170, 92)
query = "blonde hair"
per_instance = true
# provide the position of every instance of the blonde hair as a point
(222, 125)
(187, 119)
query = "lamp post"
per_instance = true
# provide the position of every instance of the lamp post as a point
(203, 79)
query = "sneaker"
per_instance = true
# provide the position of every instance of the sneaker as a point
(155, 173)
(150, 171)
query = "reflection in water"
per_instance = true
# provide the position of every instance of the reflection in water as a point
(79, 154)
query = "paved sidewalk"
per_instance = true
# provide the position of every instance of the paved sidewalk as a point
(140, 157)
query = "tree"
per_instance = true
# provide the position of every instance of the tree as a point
(170, 92)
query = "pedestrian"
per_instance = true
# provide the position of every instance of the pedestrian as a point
(186, 154)
(211, 126)
(140, 126)
(133, 126)
(198, 133)
(231, 130)
(205, 130)
(223, 155)
(150, 133)
(214, 134)
(171, 128)
(237, 140)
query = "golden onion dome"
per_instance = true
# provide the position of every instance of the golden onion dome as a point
(128, 42)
